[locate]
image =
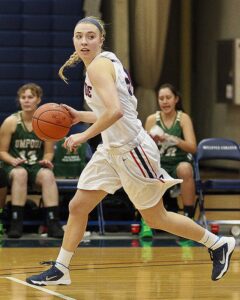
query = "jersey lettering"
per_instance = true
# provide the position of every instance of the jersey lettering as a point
(28, 143)
(88, 90)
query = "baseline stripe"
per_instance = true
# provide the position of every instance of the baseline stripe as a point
(143, 163)
(134, 158)
(40, 288)
(148, 161)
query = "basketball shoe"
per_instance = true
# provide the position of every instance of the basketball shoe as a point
(221, 255)
(146, 231)
(58, 274)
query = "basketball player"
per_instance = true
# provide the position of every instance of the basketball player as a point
(128, 158)
(3, 194)
(176, 143)
(27, 161)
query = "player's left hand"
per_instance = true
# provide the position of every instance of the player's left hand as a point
(74, 140)
(46, 163)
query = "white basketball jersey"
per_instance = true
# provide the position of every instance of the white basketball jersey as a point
(126, 128)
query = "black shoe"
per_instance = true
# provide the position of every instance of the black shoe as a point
(55, 229)
(1, 234)
(52, 276)
(221, 256)
(15, 230)
(1, 229)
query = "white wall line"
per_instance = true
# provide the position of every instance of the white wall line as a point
(40, 288)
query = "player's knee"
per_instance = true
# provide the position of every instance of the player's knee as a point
(185, 171)
(46, 176)
(77, 208)
(20, 175)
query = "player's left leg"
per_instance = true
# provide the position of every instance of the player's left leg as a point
(220, 249)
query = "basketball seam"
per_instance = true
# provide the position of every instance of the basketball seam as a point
(50, 122)
(55, 110)
(48, 136)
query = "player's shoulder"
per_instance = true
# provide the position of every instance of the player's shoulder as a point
(151, 117)
(12, 119)
(185, 118)
(99, 67)
(100, 62)
(150, 121)
(9, 124)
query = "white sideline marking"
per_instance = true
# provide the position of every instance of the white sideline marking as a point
(40, 288)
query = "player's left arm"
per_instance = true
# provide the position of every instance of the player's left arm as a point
(102, 76)
(188, 143)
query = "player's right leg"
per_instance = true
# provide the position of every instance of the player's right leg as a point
(80, 206)
(19, 179)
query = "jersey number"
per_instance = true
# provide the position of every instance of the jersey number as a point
(30, 156)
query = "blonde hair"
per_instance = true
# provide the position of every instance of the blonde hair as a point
(74, 58)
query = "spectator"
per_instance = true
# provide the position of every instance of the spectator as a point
(3, 193)
(70, 164)
(172, 130)
(27, 161)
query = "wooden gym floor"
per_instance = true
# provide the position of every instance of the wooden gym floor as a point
(118, 267)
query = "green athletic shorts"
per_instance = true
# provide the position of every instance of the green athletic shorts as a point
(172, 169)
(32, 171)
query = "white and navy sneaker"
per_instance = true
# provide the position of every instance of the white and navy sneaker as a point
(52, 276)
(221, 256)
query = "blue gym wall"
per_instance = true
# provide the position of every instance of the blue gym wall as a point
(35, 40)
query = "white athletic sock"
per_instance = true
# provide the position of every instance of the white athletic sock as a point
(64, 258)
(209, 239)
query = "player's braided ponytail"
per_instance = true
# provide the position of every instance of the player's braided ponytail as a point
(71, 62)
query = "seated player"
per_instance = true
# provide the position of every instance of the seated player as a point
(3, 193)
(70, 164)
(173, 131)
(27, 161)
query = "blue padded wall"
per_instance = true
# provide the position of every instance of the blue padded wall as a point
(35, 40)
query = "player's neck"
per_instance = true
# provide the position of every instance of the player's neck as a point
(169, 118)
(27, 116)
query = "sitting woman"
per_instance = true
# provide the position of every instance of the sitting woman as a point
(173, 131)
(3, 193)
(27, 161)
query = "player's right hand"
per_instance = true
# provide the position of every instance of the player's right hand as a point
(73, 112)
(18, 161)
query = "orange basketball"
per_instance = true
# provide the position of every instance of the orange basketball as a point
(51, 122)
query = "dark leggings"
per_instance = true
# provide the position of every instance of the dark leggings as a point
(3, 178)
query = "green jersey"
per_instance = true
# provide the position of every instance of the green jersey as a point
(172, 155)
(70, 164)
(25, 143)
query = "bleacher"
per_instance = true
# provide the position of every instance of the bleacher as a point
(35, 40)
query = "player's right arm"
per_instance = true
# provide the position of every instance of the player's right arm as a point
(150, 122)
(7, 129)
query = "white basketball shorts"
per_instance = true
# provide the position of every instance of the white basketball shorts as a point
(135, 167)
